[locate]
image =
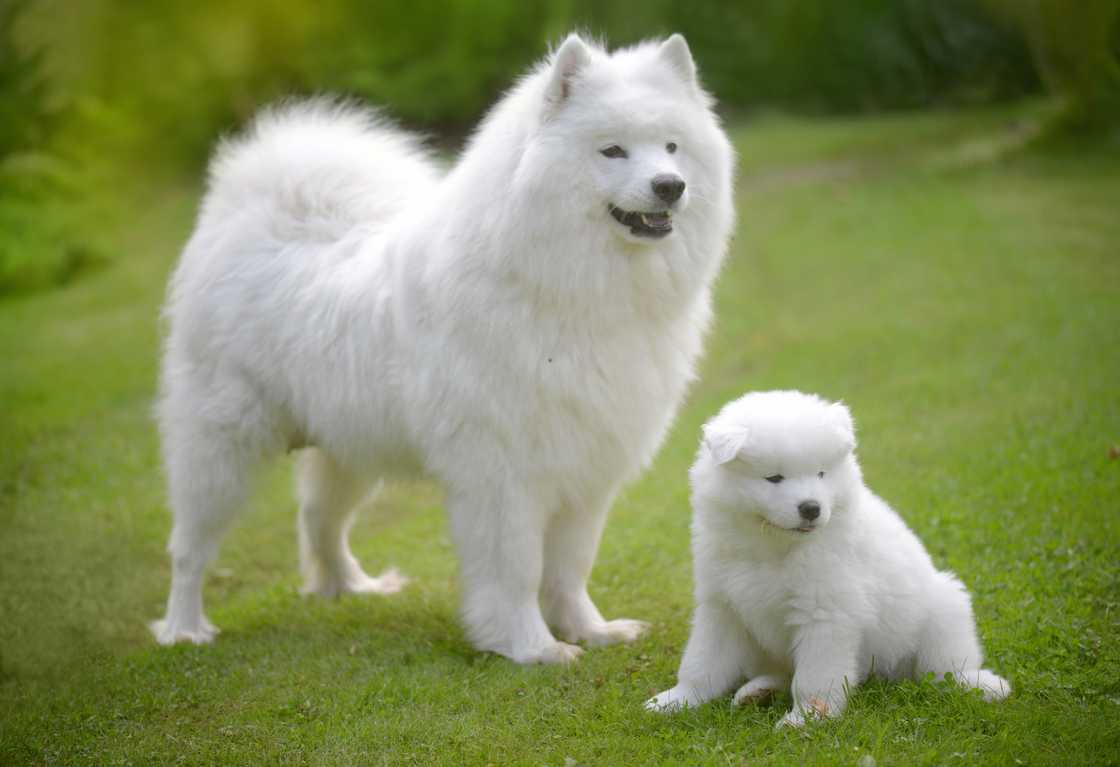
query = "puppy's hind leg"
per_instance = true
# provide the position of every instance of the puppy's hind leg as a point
(949, 644)
(207, 475)
(760, 688)
(328, 496)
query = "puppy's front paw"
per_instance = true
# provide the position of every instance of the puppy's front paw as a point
(813, 708)
(794, 719)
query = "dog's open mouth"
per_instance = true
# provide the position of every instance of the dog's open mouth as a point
(801, 529)
(653, 225)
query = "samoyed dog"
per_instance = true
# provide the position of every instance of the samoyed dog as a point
(804, 577)
(521, 329)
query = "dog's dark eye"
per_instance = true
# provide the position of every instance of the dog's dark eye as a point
(670, 147)
(614, 151)
(820, 474)
(775, 478)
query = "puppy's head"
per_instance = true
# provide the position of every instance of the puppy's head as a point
(781, 456)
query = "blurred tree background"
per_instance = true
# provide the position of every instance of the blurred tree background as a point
(97, 96)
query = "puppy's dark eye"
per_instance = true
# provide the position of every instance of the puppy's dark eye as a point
(670, 147)
(614, 151)
(775, 478)
(820, 474)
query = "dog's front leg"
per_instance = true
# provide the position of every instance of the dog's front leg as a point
(571, 542)
(824, 669)
(499, 532)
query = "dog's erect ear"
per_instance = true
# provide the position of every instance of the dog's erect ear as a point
(723, 443)
(841, 420)
(572, 56)
(675, 51)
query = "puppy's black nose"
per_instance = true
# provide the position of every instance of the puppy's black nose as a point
(809, 510)
(668, 186)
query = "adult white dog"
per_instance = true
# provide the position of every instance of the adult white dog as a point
(803, 574)
(521, 329)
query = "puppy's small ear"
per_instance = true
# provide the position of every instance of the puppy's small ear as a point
(724, 444)
(675, 52)
(841, 419)
(572, 56)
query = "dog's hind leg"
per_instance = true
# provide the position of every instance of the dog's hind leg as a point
(207, 468)
(570, 545)
(949, 644)
(328, 498)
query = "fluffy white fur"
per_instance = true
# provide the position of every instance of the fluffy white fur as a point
(807, 580)
(494, 328)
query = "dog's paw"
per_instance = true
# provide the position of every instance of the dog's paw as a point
(623, 630)
(168, 632)
(672, 700)
(991, 686)
(757, 690)
(389, 582)
(557, 653)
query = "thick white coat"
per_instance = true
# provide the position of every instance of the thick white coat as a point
(493, 328)
(812, 604)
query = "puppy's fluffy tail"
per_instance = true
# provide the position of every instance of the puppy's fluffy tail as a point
(316, 169)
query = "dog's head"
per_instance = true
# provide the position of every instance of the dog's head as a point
(782, 456)
(632, 139)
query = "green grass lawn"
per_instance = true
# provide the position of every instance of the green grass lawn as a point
(961, 295)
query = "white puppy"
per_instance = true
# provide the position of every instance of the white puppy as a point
(521, 329)
(803, 575)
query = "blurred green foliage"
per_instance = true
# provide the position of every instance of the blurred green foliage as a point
(105, 92)
(187, 70)
(172, 75)
(24, 115)
(39, 211)
(857, 56)
(1076, 48)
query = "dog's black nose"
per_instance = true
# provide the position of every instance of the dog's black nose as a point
(668, 187)
(809, 510)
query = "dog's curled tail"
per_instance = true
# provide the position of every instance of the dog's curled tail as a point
(320, 167)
